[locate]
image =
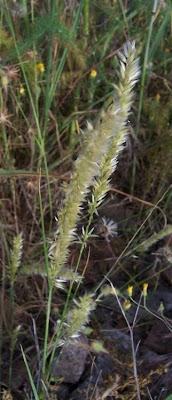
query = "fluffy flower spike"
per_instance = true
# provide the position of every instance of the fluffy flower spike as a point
(79, 316)
(128, 75)
(102, 145)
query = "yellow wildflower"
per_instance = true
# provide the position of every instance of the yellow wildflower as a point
(130, 290)
(145, 287)
(40, 67)
(93, 73)
(21, 89)
(126, 304)
(5, 82)
(158, 96)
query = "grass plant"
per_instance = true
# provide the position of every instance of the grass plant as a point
(57, 70)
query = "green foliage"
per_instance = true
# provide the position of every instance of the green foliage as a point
(157, 151)
(5, 39)
(40, 131)
(42, 31)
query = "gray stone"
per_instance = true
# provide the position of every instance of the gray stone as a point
(69, 364)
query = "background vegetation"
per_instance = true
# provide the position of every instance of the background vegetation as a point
(57, 65)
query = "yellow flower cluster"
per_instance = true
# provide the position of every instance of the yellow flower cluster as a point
(93, 73)
(40, 67)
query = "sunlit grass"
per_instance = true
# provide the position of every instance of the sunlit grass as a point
(58, 64)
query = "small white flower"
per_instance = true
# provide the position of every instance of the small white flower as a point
(107, 228)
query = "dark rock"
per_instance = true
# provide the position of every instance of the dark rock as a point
(159, 338)
(69, 364)
(100, 370)
(62, 393)
(120, 340)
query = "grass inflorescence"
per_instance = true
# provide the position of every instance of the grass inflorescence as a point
(70, 114)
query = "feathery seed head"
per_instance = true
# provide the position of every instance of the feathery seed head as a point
(128, 75)
(107, 228)
(79, 316)
(16, 254)
(101, 148)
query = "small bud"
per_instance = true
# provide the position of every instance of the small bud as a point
(126, 304)
(130, 290)
(106, 290)
(145, 287)
(161, 308)
(21, 89)
(97, 347)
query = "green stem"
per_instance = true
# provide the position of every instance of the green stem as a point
(48, 74)
(30, 375)
(50, 287)
(66, 307)
(11, 328)
(82, 248)
(48, 311)
(86, 17)
(145, 62)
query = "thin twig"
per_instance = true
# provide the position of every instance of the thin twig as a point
(131, 337)
(124, 253)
